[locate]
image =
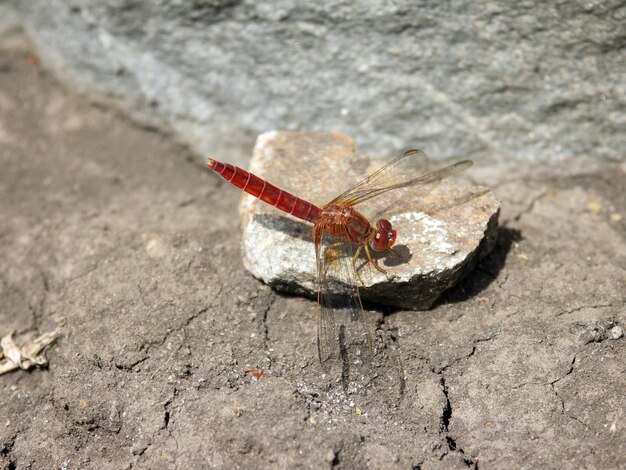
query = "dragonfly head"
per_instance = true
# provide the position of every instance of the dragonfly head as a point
(383, 237)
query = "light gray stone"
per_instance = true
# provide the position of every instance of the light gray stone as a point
(616, 332)
(441, 234)
(500, 81)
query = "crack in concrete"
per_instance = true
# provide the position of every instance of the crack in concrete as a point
(266, 332)
(492, 334)
(559, 397)
(166, 407)
(37, 310)
(569, 371)
(561, 400)
(131, 367)
(447, 407)
(150, 344)
(88, 270)
(525, 384)
(179, 328)
(530, 206)
(164, 427)
(581, 307)
(7, 450)
(446, 416)
(503, 281)
(585, 425)
(564, 411)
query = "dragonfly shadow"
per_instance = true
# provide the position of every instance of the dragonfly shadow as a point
(486, 271)
(363, 356)
(293, 228)
(345, 358)
(400, 255)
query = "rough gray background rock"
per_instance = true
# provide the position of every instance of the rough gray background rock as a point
(495, 80)
(120, 231)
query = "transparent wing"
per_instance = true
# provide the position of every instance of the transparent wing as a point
(343, 334)
(404, 174)
(347, 341)
(404, 198)
(397, 173)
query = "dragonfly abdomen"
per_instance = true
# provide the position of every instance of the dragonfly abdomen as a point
(265, 191)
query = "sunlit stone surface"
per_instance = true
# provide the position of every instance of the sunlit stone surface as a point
(441, 235)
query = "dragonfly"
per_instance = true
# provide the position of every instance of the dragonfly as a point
(343, 234)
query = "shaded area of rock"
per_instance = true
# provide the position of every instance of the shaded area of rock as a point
(442, 232)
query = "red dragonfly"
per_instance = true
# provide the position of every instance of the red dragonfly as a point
(341, 234)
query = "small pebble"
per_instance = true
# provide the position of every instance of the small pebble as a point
(616, 332)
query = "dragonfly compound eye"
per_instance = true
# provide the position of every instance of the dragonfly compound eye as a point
(384, 236)
(384, 224)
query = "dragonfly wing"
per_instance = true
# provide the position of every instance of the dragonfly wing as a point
(342, 330)
(346, 341)
(403, 199)
(405, 167)
(404, 175)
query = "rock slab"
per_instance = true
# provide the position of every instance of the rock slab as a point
(441, 234)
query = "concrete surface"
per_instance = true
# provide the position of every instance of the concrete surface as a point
(512, 81)
(119, 231)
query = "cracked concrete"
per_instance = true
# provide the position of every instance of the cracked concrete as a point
(115, 229)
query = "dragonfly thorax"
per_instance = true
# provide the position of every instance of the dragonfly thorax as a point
(346, 222)
(383, 237)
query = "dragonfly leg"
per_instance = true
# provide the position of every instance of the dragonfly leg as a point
(356, 269)
(330, 253)
(373, 260)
